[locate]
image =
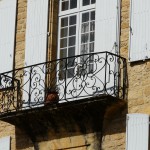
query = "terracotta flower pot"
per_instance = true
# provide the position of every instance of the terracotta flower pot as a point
(52, 97)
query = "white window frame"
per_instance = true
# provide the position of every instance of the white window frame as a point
(78, 11)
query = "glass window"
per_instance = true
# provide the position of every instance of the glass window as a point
(72, 20)
(64, 32)
(73, 33)
(73, 4)
(68, 4)
(64, 22)
(65, 5)
(88, 2)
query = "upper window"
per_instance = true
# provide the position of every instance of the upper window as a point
(71, 6)
(68, 4)
(87, 2)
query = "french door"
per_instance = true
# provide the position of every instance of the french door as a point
(76, 37)
(95, 29)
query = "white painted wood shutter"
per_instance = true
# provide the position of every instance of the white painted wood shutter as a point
(35, 51)
(7, 34)
(137, 132)
(107, 25)
(5, 143)
(139, 30)
(36, 32)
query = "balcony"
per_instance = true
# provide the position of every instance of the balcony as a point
(84, 86)
(78, 79)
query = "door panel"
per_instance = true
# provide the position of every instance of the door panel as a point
(67, 47)
(98, 31)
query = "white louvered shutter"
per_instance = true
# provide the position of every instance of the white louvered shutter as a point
(139, 30)
(107, 25)
(7, 34)
(107, 39)
(35, 51)
(36, 32)
(137, 132)
(5, 143)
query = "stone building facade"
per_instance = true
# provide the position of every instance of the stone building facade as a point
(81, 133)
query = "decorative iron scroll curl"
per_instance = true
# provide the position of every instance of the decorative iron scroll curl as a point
(9, 89)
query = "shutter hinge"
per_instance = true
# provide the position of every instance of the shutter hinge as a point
(131, 31)
(127, 117)
(48, 33)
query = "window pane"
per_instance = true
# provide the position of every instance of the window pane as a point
(84, 38)
(72, 30)
(91, 68)
(71, 52)
(64, 22)
(70, 73)
(91, 47)
(93, 15)
(64, 32)
(85, 17)
(92, 36)
(63, 53)
(65, 5)
(93, 1)
(72, 20)
(63, 43)
(84, 49)
(62, 69)
(92, 26)
(72, 41)
(86, 2)
(85, 27)
(91, 58)
(73, 4)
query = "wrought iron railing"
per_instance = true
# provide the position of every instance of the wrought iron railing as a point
(73, 78)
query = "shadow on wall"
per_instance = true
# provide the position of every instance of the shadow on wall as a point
(114, 128)
(74, 128)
